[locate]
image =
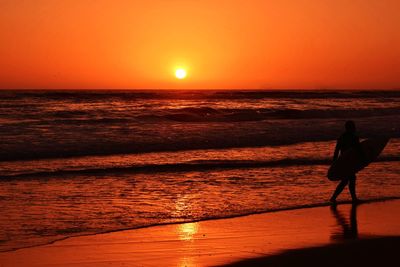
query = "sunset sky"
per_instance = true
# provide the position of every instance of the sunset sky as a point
(251, 44)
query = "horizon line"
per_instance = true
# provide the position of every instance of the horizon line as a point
(202, 89)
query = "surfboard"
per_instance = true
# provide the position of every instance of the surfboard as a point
(351, 162)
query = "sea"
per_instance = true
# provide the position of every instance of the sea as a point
(81, 162)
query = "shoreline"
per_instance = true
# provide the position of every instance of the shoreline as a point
(216, 241)
(301, 207)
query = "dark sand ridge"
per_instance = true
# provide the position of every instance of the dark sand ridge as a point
(383, 251)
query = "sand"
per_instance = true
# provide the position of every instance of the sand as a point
(362, 252)
(299, 234)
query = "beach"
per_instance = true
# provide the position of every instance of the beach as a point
(230, 241)
(199, 133)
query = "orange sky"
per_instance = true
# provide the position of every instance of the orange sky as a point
(221, 43)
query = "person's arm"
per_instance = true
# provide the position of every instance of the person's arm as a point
(337, 150)
(360, 151)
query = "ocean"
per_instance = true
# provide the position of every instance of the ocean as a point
(85, 162)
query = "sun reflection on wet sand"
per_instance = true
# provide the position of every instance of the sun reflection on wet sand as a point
(187, 231)
(187, 262)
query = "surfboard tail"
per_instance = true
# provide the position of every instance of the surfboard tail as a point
(352, 162)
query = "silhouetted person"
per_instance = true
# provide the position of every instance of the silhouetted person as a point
(347, 140)
(348, 230)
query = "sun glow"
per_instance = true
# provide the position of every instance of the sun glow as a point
(180, 74)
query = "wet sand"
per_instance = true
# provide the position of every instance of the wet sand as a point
(345, 231)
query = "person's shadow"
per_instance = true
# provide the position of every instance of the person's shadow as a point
(346, 230)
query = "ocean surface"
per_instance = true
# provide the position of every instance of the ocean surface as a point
(86, 162)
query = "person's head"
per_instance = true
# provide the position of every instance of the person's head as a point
(350, 126)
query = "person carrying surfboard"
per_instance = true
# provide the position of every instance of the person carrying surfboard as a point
(347, 140)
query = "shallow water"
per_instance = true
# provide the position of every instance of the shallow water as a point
(38, 210)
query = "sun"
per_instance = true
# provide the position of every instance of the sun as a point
(180, 74)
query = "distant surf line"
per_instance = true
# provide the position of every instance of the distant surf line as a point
(185, 167)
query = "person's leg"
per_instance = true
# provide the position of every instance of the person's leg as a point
(339, 189)
(352, 188)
